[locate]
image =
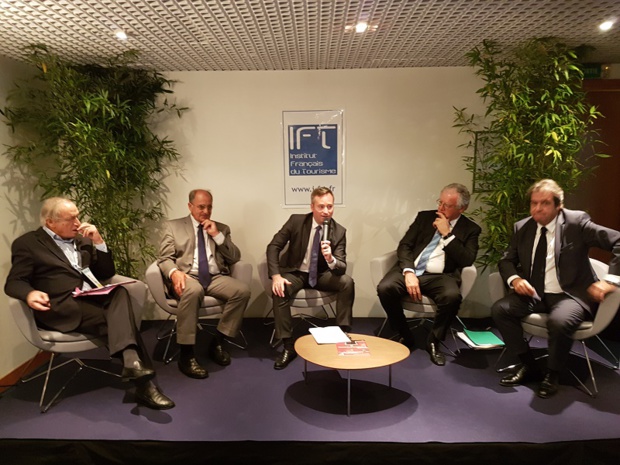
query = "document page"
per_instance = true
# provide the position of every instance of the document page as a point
(100, 290)
(329, 335)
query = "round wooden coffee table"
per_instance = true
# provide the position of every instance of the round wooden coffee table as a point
(381, 352)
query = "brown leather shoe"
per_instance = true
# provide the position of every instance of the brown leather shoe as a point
(437, 357)
(523, 375)
(192, 368)
(286, 357)
(137, 372)
(219, 355)
(150, 396)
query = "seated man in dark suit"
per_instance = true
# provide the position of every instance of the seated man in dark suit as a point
(311, 261)
(438, 244)
(547, 267)
(64, 254)
(195, 257)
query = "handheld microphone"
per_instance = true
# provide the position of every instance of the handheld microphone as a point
(325, 230)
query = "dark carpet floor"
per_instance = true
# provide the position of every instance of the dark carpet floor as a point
(461, 403)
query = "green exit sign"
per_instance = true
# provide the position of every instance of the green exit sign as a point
(592, 70)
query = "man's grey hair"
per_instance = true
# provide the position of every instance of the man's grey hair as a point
(51, 208)
(462, 191)
(548, 185)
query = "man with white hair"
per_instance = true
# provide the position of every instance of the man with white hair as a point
(63, 255)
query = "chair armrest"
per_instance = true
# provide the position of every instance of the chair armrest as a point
(242, 271)
(155, 282)
(606, 312)
(497, 288)
(24, 319)
(379, 266)
(468, 278)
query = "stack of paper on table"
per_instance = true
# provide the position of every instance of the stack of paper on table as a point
(329, 335)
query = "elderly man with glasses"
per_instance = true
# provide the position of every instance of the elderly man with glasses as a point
(431, 255)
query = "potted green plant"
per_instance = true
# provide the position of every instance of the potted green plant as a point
(84, 131)
(536, 124)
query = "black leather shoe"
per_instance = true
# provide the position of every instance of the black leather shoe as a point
(137, 371)
(437, 357)
(548, 387)
(219, 355)
(286, 357)
(192, 368)
(150, 396)
(523, 375)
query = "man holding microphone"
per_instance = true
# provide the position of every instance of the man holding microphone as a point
(316, 258)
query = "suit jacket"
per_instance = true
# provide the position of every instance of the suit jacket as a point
(296, 233)
(575, 233)
(460, 252)
(179, 242)
(39, 264)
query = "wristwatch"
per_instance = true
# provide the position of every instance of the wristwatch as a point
(447, 236)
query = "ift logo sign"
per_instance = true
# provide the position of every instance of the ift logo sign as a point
(313, 150)
(313, 154)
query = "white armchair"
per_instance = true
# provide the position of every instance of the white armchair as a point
(536, 323)
(211, 307)
(415, 311)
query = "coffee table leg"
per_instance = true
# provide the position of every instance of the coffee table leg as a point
(390, 375)
(348, 393)
(306, 371)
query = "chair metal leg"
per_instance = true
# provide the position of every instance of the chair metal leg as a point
(382, 327)
(421, 323)
(243, 345)
(301, 317)
(616, 364)
(613, 365)
(510, 367)
(51, 367)
(168, 335)
(594, 391)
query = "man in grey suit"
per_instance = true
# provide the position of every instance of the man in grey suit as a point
(65, 254)
(195, 257)
(437, 245)
(296, 269)
(547, 267)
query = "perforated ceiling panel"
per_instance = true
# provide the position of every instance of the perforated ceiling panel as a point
(300, 34)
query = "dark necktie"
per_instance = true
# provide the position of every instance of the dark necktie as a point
(314, 258)
(203, 263)
(540, 264)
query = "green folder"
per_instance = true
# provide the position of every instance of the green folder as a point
(484, 338)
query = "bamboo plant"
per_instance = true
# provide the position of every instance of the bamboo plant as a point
(85, 132)
(536, 125)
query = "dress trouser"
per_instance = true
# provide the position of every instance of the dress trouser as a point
(444, 289)
(235, 293)
(326, 281)
(110, 316)
(565, 316)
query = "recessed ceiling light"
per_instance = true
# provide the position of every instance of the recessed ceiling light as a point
(120, 34)
(361, 27)
(606, 26)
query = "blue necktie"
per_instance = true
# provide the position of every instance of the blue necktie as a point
(426, 254)
(314, 258)
(203, 263)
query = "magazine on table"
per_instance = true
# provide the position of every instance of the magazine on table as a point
(353, 348)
